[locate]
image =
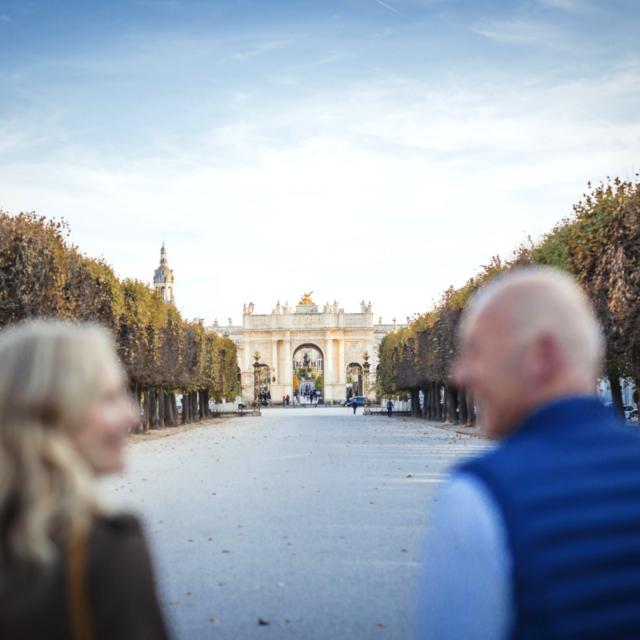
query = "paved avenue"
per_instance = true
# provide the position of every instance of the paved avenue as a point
(309, 520)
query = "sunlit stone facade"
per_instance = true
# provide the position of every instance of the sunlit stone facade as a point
(281, 337)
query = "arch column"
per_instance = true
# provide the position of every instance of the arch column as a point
(342, 366)
(287, 374)
(329, 368)
(274, 360)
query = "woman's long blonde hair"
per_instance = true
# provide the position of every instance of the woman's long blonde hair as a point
(50, 373)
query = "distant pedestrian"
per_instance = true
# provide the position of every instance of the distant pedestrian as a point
(69, 567)
(288, 398)
(355, 406)
(539, 537)
(389, 407)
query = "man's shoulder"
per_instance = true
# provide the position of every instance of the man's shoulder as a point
(540, 452)
(503, 462)
(467, 468)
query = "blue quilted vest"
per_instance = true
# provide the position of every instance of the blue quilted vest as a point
(568, 485)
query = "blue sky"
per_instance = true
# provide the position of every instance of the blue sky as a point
(364, 149)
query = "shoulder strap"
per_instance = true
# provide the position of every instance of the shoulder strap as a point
(78, 583)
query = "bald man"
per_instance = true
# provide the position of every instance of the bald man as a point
(540, 537)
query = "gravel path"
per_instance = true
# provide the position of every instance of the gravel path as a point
(307, 520)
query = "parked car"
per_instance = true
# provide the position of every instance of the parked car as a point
(359, 401)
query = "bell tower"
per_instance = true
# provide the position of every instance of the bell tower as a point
(163, 278)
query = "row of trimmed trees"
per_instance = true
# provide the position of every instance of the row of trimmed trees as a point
(43, 275)
(599, 244)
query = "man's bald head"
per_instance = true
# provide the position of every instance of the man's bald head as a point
(536, 300)
(527, 337)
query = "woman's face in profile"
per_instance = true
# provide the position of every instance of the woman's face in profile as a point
(101, 434)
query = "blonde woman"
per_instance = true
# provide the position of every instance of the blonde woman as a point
(68, 568)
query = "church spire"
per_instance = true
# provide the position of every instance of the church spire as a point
(163, 277)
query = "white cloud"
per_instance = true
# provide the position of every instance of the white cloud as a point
(526, 32)
(389, 191)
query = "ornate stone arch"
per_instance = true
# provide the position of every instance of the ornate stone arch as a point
(307, 360)
(354, 378)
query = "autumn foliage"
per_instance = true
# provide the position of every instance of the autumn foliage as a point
(599, 244)
(42, 275)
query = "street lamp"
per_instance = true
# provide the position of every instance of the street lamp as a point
(365, 376)
(365, 383)
(256, 386)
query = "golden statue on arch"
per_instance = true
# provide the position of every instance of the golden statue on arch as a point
(306, 298)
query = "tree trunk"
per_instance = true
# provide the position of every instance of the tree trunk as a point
(138, 407)
(445, 404)
(185, 407)
(143, 410)
(161, 406)
(146, 420)
(452, 404)
(462, 404)
(471, 410)
(169, 416)
(427, 401)
(616, 391)
(204, 405)
(415, 402)
(154, 408)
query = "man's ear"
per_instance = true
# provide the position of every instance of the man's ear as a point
(546, 357)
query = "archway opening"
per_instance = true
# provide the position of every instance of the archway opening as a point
(264, 384)
(308, 374)
(354, 380)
